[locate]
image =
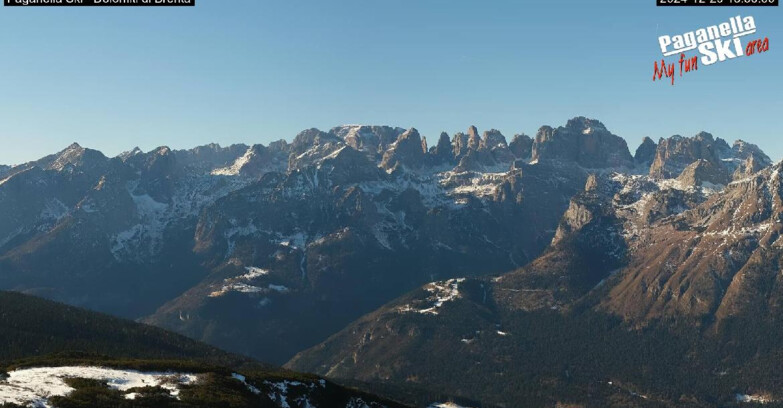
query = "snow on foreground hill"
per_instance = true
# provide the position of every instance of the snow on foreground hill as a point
(34, 386)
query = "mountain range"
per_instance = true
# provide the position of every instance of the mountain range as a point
(555, 269)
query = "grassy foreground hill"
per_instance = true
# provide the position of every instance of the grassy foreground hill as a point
(31, 326)
(67, 346)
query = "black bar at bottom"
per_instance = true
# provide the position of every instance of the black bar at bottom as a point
(105, 3)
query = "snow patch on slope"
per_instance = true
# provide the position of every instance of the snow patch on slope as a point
(278, 392)
(245, 288)
(236, 167)
(479, 185)
(253, 272)
(34, 386)
(445, 405)
(244, 284)
(440, 294)
(759, 399)
(241, 378)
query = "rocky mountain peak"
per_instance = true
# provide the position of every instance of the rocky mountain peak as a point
(592, 183)
(347, 166)
(473, 132)
(474, 140)
(74, 155)
(521, 146)
(410, 134)
(676, 153)
(742, 158)
(257, 160)
(279, 145)
(705, 136)
(311, 146)
(703, 171)
(408, 151)
(584, 141)
(744, 150)
(312, 137)
(370, 139)
(160, 164)
(443, 152)
(124, 156)
(589, 229)
(722, 148)
(748, 167)
(459, 144)
(491, 139)
(73, 151)
(585, 125)
(645, 153)
(209, 157)
(472, 161)
(161, 151)
(544, 134)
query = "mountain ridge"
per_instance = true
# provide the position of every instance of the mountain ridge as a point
(305, 237)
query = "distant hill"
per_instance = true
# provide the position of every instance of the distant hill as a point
(31, 326)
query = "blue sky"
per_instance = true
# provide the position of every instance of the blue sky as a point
(253, 71)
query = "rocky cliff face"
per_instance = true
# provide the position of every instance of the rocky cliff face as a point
(676, 153)
(716, 160)
(703, 171)
(584, 141)
(743, 150)
(521, 146)
(745, 159)
(443, 152)
(645, 153)
(474, 140)
(408, 151)
(373, 140)
(490, 151)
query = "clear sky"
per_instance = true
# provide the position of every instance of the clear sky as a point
(253, 71)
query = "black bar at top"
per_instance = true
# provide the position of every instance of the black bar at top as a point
(97, 3)
(717, 3)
